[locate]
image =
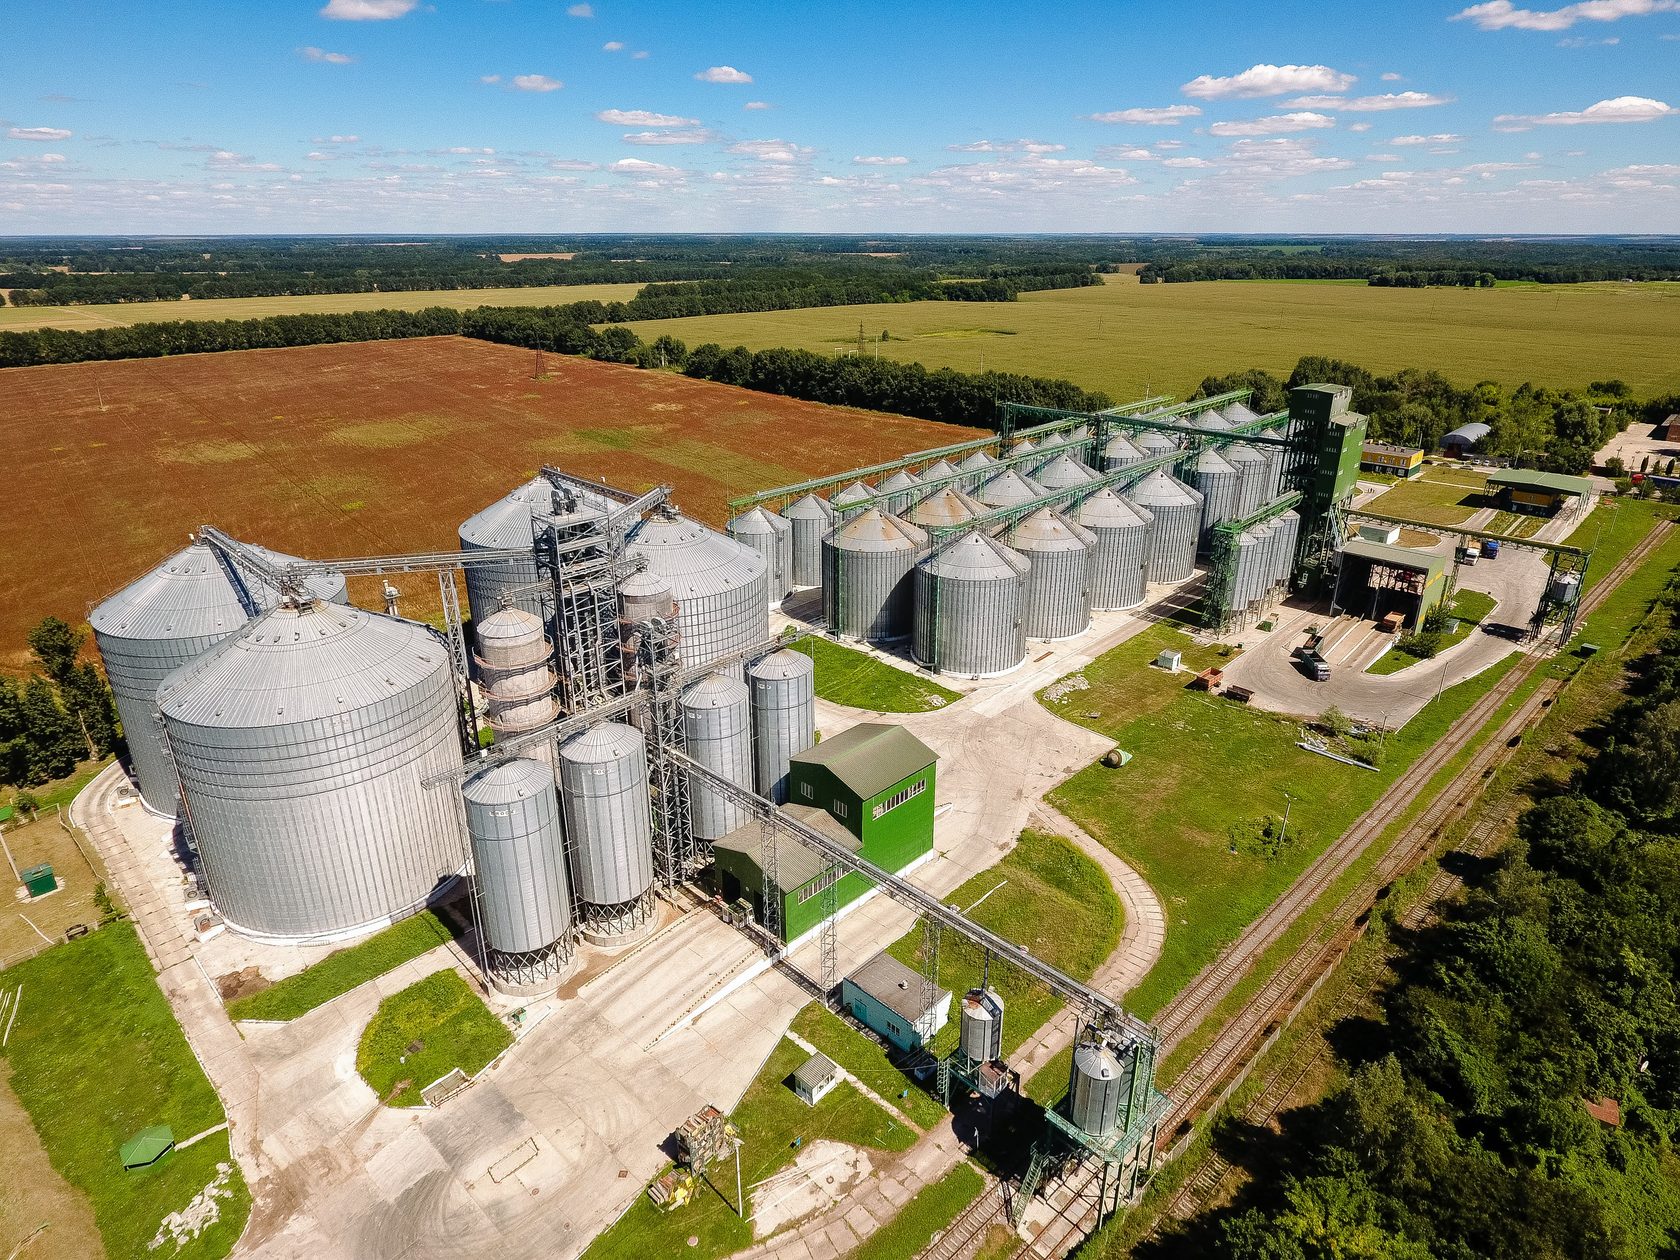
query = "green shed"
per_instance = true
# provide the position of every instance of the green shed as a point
(38, 881)
(147, 1146)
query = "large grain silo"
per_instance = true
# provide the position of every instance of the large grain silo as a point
(969, 596)
(515, 521)
(976, 462)
(1119, 560)
(1008, 489)
(1289, 541)
(1120, 451)
(772, 537)
(302, 743)
(1056, 603)
(938, 471)
(866, 576)
(899, 487)
(784, 716)
(1253, 473)
(810, 518)
(160, 622)
(1153, 442)
(1077, 442)
(717, 732)
(946, 506)
(1211, 420)
(718, 583)
(1062, 472)
(514, 670)
(1021, 446)
(519, 874)
(609, 821)
(849, 502)
(1221, 490)
(1177, 511)
(1238, 413)
(1247, 579)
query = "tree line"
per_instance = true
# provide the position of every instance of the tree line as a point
(1413, 263)
(1519, 1094)
(61, 714)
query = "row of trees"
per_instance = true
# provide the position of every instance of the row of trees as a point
(1409, 263)
(1558, 430)
(58, 715)
(1462, 1131)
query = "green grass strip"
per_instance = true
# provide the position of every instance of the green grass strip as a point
(860, 681)
(930, 1210)
(423, 1033)
(866, 1060)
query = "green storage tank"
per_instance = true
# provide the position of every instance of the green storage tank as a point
(38, 881)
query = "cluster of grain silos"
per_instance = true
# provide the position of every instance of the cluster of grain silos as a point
(1264, 562)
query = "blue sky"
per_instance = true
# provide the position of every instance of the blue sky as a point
(549, 116)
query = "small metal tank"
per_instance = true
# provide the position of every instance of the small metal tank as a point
(810, 518)
(772, 537)
(784, 716)
(969, 596)
(866, 576)
(515, 673)
(1061, 472)
(1007, 489)
(1056, 603)
(1095, 1089)
(1177, 510)
(720, 585)
(1119, 559)
(1221, 490)
(847, 502)
(519, 869)
(1120, 451)
(899, 487)
(981, 1034)
(604, 789)
(946, 506)
(717, 731)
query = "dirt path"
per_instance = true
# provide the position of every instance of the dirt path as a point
(33, 1194)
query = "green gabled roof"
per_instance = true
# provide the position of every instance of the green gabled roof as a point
(1529, 479)
(869, 757)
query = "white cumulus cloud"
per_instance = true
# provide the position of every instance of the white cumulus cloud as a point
(489, 78)
(367, 10)
(613, 45)
(321, 54)
(643, 118)
(880, 161)
(1148, 116)
(772, 150)
(756, 105)
(1275, 125)
(581, 10)
(669, 137)
(636, 166)
(1442, 137)
(1389, 76)
(1499, 15)
(536, 83)
(47, 134)
(1371, 104)
(1620, 109)
(1268, 80)
(723, 74)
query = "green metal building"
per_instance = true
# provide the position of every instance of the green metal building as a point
(870, 788)
(1379, 578)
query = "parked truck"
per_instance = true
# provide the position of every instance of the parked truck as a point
(1490, 548)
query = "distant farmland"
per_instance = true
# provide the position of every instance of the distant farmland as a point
(1130, 339)
(106, 315)
(364, 449)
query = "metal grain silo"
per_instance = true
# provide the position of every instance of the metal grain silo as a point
(899, 487)
(1221, 489)
(1021, 446)
(1253, 473)
(160, 622)
(302, 743)
(717, 732)
(1119, 559)
(1211, 420)
(1246, 577)
(514, 521)
(1077, 442)
(969, 596)
(1061, 472)
(514, 670)
(976, 462)
(1153, 442)
(946, 506)
(772, 537)
(784, 716)
(938, 470)
(1177, 509)
(1120, 451)
(1056, 603)
(609, 821)
(849, 502)
(866, 576)
(1008, 489)
(1239, 413)
(810, 518)
(1095, 1089)
(719, 584)
(981, 1034)
(519, 872)
(1289, 541)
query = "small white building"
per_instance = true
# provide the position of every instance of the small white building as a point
(1171, 660)
(815, 1078)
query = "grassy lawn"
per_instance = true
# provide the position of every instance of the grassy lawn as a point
(866, 1060)
(343, 970)
(1516, 524)
(1045, 895)
(1132, 340)
(1434, 498)
(59, 792)
(423, 1033)
(1614, 529)
(847, 676)
(96, 1056)
(770, 1118)
(1193, 844)
(1470, 607)
(932, 1209)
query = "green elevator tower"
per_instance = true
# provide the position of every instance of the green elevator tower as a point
(1331, 439)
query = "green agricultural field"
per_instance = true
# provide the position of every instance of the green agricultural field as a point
(770, 1118)
(344, 969)
(1195, 846)
(1045, 895)
(1132, 340)
(423, 1033)
(96, 1056)
(847, 676)
(122, 314)
(1448, 499)
(932, 1209)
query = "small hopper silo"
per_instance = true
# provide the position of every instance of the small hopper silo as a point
(609, 821)
(1096, 1089)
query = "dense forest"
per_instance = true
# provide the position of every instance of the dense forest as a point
(60, 715)
(1463, 1129)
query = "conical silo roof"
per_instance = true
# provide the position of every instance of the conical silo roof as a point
(507, 522)
(974, 557)
(1122, 448)
(694, 561)
(1155, 442)
(808, 508)
(1007, 489)
(1239, 413)
(509, 781)
(714, 691)
(509, 628)
(874, 530)
(1160, 489)
(755, 523)
(1211, 463)
(945, 506)
(975, 461)
(608, 742)
(780, 665)
(857, 492)
(1211, 420)
(899, 479)
(1238, 453)
(1062, 472)
(1107, 510)
(1022, 446)
(938, 469)
(1048, 530)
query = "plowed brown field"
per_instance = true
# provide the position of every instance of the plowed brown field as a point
(364, 449)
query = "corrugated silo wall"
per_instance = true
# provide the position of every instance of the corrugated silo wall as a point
(1289, 525)
(806, 549)
(1173, 554)
(1056, 602)
(969, 628)
(720, 622)
(519, 861)
(1252, 494)
(1221, 494)
(485, 582)
(768, 546)
(321, 829)
(784, 723)
(719, 737)
(610, 824)
(866, 594)
(1119, 566)
(1249, 562)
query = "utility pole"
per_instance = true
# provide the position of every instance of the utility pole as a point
(1288, 803)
